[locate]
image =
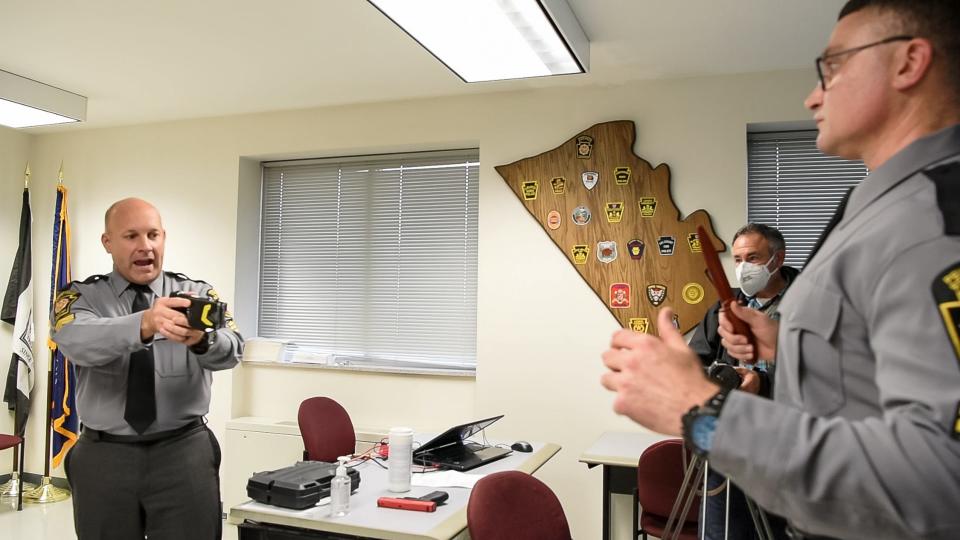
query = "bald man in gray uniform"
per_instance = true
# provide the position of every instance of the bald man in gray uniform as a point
(146, 464)
(863, 438)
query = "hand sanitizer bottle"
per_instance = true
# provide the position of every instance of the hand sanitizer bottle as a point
(340, 490)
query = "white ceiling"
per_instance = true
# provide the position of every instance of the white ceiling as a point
(141, 61)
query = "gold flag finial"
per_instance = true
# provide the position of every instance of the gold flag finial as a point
(26, 176)
(60, 174)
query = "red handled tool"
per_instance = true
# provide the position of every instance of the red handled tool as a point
(718, 278)
(407, 504)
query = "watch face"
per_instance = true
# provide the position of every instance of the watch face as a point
(704, 426)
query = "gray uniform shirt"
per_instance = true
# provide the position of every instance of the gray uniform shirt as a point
(861, 440)
(96, 330)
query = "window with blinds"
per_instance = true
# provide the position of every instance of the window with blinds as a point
(793, 186)
(372, 260)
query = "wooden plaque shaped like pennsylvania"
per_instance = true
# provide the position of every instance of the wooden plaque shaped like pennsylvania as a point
(611, 214)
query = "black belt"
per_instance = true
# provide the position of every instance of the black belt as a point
(96, 435)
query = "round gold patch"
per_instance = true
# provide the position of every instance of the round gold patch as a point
(693, 293)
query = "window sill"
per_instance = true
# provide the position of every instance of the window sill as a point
(367, 369)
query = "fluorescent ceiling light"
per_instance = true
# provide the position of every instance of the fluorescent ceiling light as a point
(488, 40)
(26, 103)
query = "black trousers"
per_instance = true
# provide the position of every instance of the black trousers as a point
(168, 489)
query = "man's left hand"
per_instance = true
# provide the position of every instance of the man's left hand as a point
(657, 380)
(181, 334)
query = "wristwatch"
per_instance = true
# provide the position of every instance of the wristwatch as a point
(202, 346)
(700, 423)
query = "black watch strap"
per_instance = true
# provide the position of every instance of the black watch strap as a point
(712, 407)
(202, 346)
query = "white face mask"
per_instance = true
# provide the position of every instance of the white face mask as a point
(754, 277)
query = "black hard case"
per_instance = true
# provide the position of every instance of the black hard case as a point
(297, 486)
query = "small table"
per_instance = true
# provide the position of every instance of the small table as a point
(619, 453)
(369, 521)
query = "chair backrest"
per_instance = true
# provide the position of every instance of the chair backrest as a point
(660, 476)
(9, 441)
(513, 504)
(326, 429)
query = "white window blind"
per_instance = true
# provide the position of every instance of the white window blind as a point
(373, 260)
(793, 186)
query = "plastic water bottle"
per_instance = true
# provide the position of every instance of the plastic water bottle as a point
(340, 490)
(400, 460)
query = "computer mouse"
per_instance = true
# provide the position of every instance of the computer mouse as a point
(522, 446)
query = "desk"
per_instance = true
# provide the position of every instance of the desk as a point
(367, 520)
(618, 453)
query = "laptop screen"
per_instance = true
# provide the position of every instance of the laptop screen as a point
(456, 435)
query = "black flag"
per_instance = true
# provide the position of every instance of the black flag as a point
(17, 309)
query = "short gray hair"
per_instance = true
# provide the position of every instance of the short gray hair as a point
(773, 236)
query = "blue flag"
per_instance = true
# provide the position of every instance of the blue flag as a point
(63, 412)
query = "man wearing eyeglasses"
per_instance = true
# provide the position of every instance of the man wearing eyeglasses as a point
(862, 439)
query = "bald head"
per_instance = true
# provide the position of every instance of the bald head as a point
(133, 235)
(130, 204)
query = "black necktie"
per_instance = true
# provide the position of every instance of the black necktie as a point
(141, 408)
(834, 220)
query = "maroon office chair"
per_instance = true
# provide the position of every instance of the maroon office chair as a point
(11, 441)
(515, 505)
(326, 430)
(659, 478)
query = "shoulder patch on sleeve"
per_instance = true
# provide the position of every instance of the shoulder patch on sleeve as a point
(956, 424)
(946, 178)
(61, 308)
(946, 293)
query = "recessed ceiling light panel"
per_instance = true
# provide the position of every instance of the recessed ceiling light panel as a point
(488, 40)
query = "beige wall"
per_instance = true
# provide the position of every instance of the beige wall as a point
(540, 328)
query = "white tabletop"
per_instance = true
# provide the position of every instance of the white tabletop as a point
(620, 449)
(366, 519)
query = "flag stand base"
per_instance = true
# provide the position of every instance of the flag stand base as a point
(12, 487)
(46, 493)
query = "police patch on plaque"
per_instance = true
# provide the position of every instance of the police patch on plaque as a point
(692, 293)
(648, 206)
(581, 215)
(620, 295)
(621, 175)
(530, 189)
(666, 244)
(614, 212)
(635, 249)
(656, 293)
(946, 293)
(559, 185)
(553, 220)
(580, 252)
(590, 179)
(607, 251)
(640, 324)
(584, 146)
(694, 240)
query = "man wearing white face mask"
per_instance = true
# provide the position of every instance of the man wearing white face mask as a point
(759, 252)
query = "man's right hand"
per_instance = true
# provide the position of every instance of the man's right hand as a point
(162, 313)
(764, 331)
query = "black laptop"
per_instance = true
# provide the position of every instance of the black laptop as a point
(452, 449)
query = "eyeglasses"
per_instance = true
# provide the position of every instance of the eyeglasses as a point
(827, 69)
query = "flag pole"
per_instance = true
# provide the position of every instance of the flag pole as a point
(15, 487)
(46, 492)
